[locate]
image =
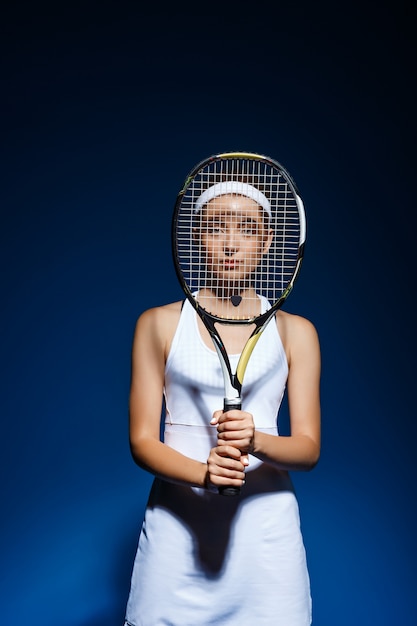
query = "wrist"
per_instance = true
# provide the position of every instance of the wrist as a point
(208, 485)
(254, 447)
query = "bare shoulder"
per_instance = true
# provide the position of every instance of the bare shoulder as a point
(158, 324)
(160, 313)
(294, 323)
(297, 333)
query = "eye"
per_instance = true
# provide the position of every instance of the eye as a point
(249, 229)
(214, 228)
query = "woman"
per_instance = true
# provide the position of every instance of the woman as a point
(204, 558)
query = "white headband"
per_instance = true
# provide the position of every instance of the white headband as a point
(233, 187)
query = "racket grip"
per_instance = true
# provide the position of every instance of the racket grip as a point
(228, 405)
(232, 403)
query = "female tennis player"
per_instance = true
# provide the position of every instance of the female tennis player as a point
(204, 558)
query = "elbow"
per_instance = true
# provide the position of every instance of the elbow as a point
(311, 456)
(311, 465)
(313, 459)
(138, 453)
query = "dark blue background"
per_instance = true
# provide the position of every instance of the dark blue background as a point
(105, 110)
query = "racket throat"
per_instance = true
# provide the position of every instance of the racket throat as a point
(232, 384)
(233, 389)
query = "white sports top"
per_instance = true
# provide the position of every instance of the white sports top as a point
(194, 386)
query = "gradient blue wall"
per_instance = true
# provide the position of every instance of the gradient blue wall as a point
(104, 113)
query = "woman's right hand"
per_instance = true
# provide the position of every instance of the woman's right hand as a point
(225, 467)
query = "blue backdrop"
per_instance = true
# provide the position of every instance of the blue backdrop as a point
(105, 110)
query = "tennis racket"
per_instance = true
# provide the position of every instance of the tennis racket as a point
(238, 234)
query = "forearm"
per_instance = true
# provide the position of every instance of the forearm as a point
(293, 453)
(300, 451)
(165, 462)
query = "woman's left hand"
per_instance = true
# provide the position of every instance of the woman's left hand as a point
(235, 428)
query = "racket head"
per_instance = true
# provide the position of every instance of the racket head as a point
(238, 235)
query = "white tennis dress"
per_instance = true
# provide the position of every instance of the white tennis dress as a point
(205, 559)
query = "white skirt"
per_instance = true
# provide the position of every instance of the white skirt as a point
(205, 559)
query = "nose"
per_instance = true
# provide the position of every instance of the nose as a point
(231, 241)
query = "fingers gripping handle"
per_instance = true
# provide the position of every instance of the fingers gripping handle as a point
(228, 405)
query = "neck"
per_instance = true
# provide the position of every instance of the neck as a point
(230, 304)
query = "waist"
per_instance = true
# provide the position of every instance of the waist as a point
(197, 441)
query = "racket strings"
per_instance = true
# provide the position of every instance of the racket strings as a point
(238, 236)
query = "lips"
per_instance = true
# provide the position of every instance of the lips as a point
(230, 264)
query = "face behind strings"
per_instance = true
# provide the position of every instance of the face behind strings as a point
(231, 236)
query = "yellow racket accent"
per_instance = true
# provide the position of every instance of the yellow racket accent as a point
(240, 155)
(245, 356)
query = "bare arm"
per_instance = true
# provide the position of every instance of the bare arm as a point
(301, 450)
(153, 334)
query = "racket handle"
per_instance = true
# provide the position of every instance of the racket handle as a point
(228, 405)
(229, 491)
(232, 403)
